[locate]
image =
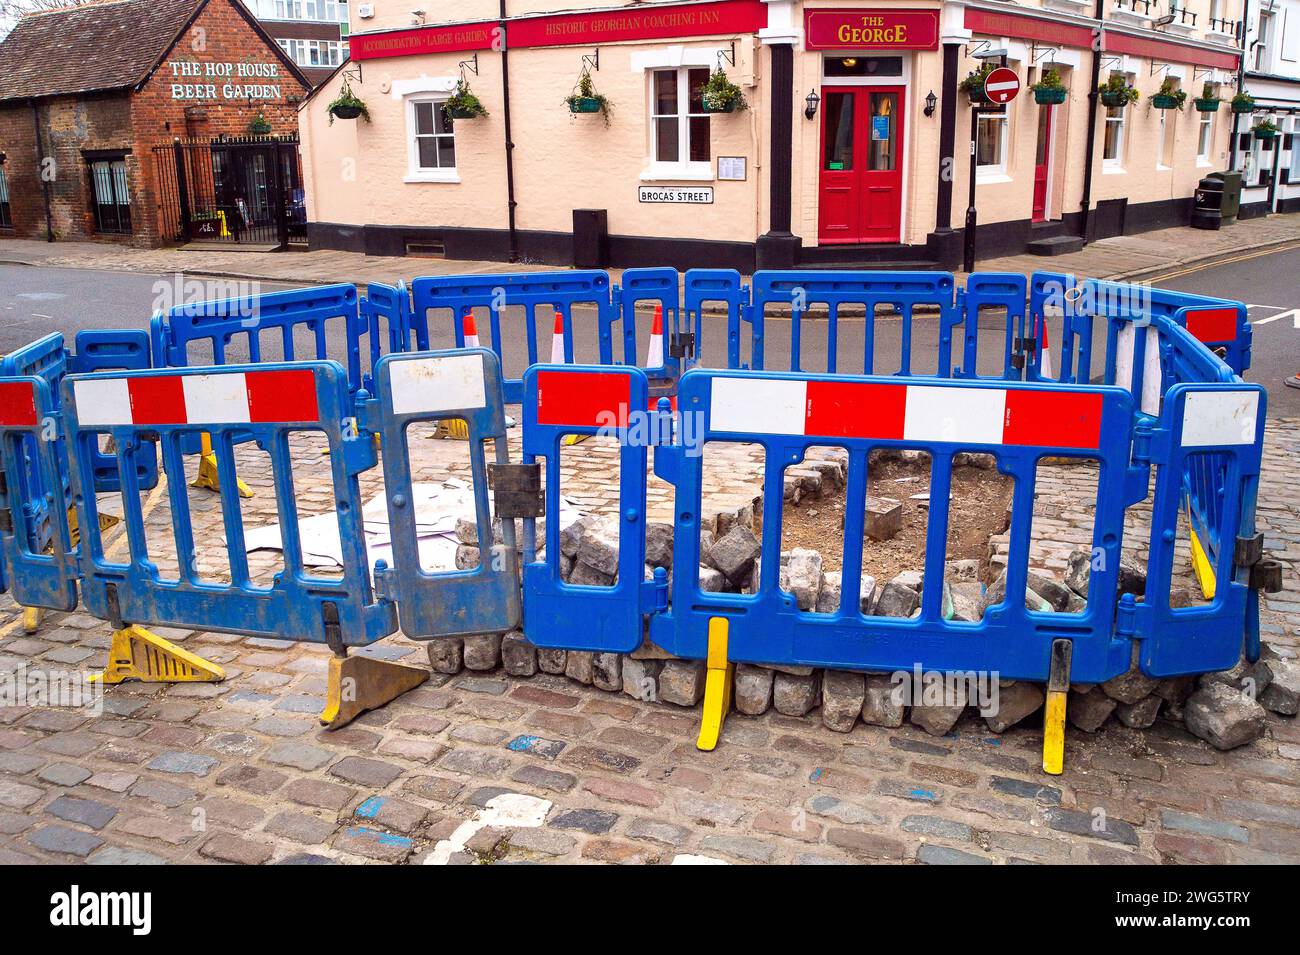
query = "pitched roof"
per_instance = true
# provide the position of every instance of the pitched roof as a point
(98, 47)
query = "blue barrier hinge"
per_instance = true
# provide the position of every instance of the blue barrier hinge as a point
(667, 462)
(654, 593)
(385, 579)
(960, 303)
(1128, 618)
(1150, 446)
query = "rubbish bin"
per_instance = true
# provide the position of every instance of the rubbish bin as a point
(1207, 210)
(590, 238)
(1231, 180)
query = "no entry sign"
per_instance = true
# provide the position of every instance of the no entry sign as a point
(1001, 85)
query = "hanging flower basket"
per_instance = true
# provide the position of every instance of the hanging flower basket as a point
(1264, 133)
(347, 105)
(1243, 104)
(1210, 105)
(463, 104)
(1163, 101)
(586, 99)
(1050, 96)
(973, 85)
(1112, 99)
(720, 95)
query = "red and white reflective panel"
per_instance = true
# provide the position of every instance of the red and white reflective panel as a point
(257, 397)
(17, 404)
(856, 409)
(1213, 324)
(1213, 418)
(584, 399)
(446, 383)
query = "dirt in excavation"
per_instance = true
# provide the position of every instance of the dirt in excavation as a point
(980, 499)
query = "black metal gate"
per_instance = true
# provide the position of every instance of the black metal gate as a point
(244, 190)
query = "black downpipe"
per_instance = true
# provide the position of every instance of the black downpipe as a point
(1090, 148)
(510, 143)
(947, 140)
(1241, 86)
(40, 171)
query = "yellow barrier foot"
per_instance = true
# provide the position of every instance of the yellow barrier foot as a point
(106, 522)
(718, 679)
(207, 476)
(569, 440)
(137, 654)
(1201, 565)
(1058, 689)
(32, 617)
(357, 684)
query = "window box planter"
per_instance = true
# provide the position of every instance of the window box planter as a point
(1049, 96)
(1164, 101)
(1207, 105)
(584, 104)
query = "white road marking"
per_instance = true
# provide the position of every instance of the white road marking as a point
(1293, 313)
(509, 811)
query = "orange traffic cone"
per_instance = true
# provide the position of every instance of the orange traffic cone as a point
(654, 357)
(1044, 353)
(470, 331)
(557, 341)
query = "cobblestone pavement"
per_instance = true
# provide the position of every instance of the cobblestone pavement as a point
(241, 772)
(1115, 258)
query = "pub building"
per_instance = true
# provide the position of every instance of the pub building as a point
(101, 104)
(856, 147)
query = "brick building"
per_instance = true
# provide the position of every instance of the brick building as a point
(88, 96)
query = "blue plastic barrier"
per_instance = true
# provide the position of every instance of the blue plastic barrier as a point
(703, 287)
(385, 314)
(314, 312)
(35, 508)
(560, 401)
(903, 291)
(655, 287)
(789, 413)
(560, 292)
(1005, 292)
(429, 387)
(265, 402)
(1209, 441)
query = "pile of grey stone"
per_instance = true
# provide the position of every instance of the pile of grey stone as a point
(1226, 709)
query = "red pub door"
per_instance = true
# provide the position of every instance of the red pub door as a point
(861, 164)
(1042, 156)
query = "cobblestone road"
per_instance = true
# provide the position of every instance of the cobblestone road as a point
(240, 771)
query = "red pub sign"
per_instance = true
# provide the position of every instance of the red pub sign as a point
(658, 22)
(871, 29)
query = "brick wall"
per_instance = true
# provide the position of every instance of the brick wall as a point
(136, 123)
(220, 35)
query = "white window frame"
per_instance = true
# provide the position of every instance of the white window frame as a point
(994, 172)
(1295, 153)
(1264, 25)
(1116, 164)
(1205, 138)
(415, 172)
(683, 168)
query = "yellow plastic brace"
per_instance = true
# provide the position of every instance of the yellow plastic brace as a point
(1201, 565)
(1058, 689)
(137, 654)
(357, 684)
(718, 679)
(207, 476)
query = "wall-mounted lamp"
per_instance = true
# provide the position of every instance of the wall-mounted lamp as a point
(930, 102)
(810, 104)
